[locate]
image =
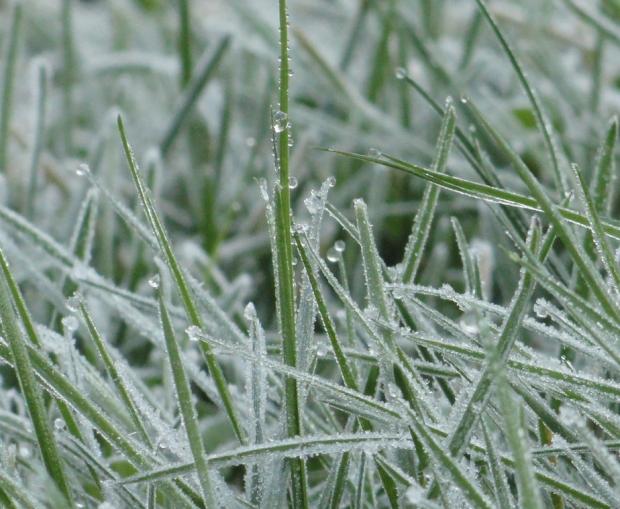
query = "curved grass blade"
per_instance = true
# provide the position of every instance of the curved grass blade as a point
(63, 388)
(475, 189)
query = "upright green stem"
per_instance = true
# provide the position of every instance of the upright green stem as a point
(185, 42)
(8, 71)
(286, 292)
(67, 73)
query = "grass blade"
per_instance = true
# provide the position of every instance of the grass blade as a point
(181, 283)
(8, 77)
(541, 119)
(186, 406)
(30, 389)
(516, 433)
(204, 72)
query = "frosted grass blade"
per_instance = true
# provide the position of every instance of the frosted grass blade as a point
(181, 282)
(31, 390)
(516, 433)
(186, 406)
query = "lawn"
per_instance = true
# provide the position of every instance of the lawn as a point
(309, 254)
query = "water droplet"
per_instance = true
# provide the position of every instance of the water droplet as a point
(401, 73)
(464, 100)
(24, 451)
(292, 182)
(340, 246)
(280, 121)
(73, 303)
(469, 324)
(82, 170)
(70, 324)
(321, 350)
(373, 152)
(332, 255)
(59, 424)
(154, 282)
(250, 142)
(193, 332)
(330, 181)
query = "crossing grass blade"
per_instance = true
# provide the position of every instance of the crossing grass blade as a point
(31, 389)
(183, 288)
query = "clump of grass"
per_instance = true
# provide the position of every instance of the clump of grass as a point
(424, 313)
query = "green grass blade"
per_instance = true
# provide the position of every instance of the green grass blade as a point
(114, 374)
(8, 76)
(286, 290)
(186, 406)
(68, 73)
(185, 41)
(469, 488)
(516, 433)
(464, 427)
(600, 24)
(343, 363)
(500, 484)
(596, 227)
(475, 189)
(550, 209)
(204, 72)
(31, 390)
(470, 268)
(604, 179)
(375, 284)
(181, 283)
(424, 218)
(11, 488)
(37, 143)
(543, 123)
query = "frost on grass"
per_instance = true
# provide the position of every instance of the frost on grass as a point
(441, 348)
